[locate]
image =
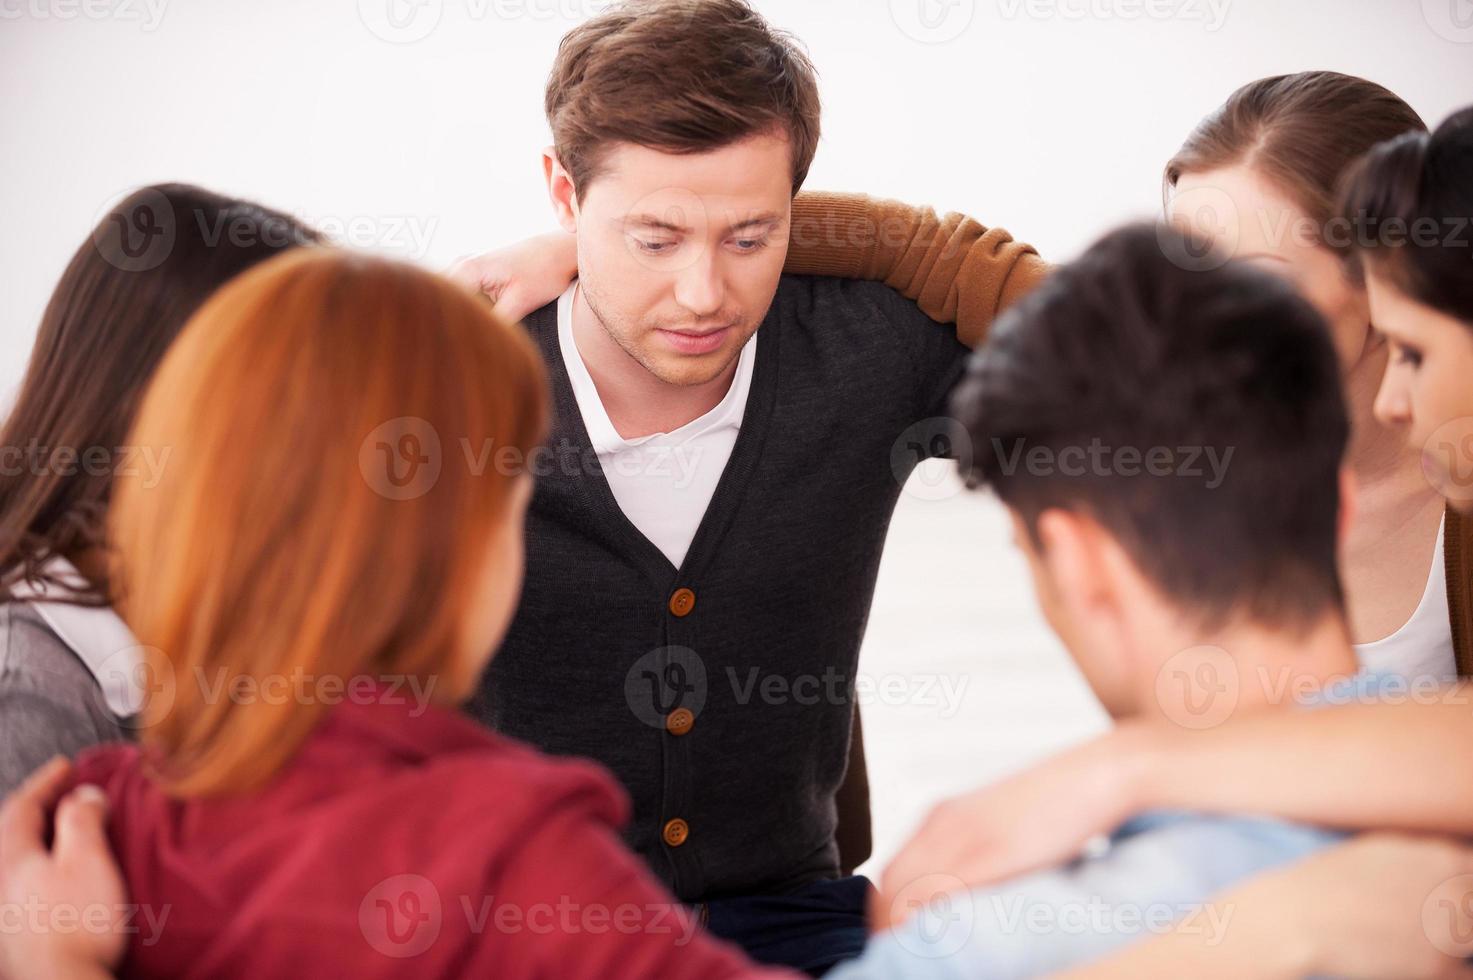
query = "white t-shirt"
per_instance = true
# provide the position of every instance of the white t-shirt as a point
(662, 482)
(1423, 647)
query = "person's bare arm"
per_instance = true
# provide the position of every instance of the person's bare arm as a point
(1394, 766)
(1390, 765)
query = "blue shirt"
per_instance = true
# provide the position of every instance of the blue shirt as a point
(1157, 869)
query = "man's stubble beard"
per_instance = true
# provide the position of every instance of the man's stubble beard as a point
(651, 363)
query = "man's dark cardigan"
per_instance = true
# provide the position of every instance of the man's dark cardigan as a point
(720, 693)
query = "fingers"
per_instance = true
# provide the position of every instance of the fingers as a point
(23, 817)
(510, 303)
(477, 275)
(81, 826)
(463, 270)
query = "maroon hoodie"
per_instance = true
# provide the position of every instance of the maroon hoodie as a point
(402, 840)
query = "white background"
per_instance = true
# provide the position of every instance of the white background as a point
(1050, 117)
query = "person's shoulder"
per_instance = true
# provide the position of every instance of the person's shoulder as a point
(36, 663)
(541, 324)
(853, 318)
(522, 784)
(816, 292)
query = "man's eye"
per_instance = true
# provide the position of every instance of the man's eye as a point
(654, 248)
(750, 244)
(1407, 355)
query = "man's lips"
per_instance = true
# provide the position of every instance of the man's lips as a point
(690, 342)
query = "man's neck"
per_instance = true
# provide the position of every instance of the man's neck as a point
(638, 403)
(1248, 668)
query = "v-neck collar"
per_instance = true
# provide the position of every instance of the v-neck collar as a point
(592, 487)
(728, 412)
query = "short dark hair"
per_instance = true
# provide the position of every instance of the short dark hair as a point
(1133, 350)
(1418, 183)
(682, 76)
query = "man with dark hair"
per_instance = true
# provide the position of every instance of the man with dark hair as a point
(706, 531)
(1168, 443)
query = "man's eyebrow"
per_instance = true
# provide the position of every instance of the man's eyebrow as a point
(664, 224)
(650, 221)
(765, 218)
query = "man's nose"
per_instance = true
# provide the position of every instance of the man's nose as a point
(699, 288)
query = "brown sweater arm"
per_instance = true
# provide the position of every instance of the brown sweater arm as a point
(955, 269)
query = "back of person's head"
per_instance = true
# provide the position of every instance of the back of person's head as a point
(147, 266)
(1411, 203)
(681, 76)
(1301, 132)
(322, 515)
(1195, 416)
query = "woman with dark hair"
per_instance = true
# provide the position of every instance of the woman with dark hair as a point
(70, 672)
(1262, 171)
(1410, 203)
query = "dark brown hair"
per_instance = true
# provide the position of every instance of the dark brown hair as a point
(682, 76)
(151, 260)
(1411, 203)
(1134, 351)
(1301, 132)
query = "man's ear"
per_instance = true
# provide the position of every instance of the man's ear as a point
(1070, 554)
(1084, 564)
(1349, 506)
(560, 191)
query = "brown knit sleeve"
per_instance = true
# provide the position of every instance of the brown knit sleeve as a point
(954, 268)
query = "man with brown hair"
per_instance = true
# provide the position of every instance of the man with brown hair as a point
(708, 521)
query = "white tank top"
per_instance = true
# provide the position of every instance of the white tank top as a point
(1423, 647)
